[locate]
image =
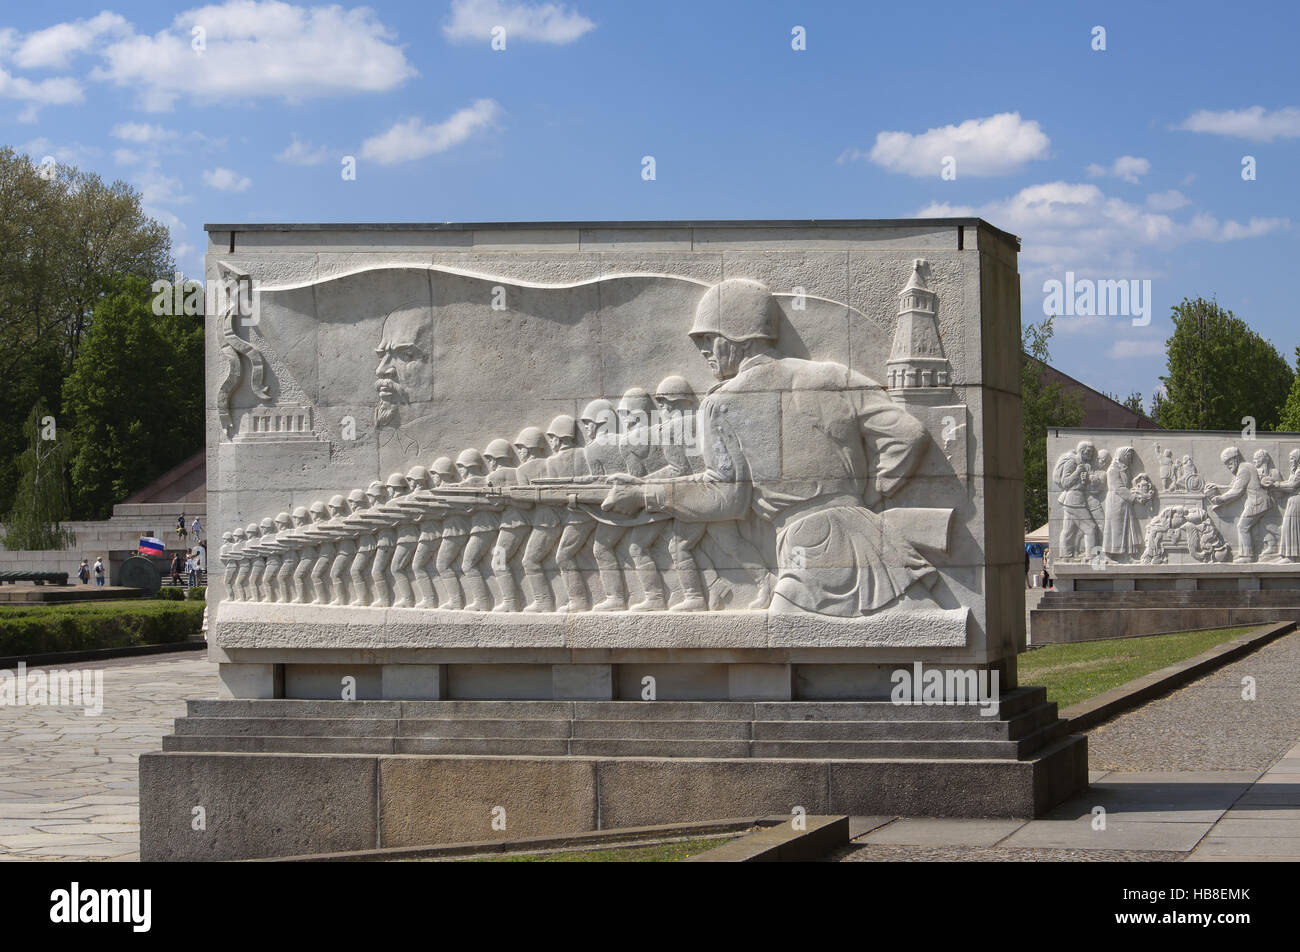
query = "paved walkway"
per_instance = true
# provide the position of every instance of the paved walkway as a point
(68, 782)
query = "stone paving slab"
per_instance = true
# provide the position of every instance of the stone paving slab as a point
(68, 782)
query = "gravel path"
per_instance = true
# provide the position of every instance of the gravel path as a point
(1206, 725)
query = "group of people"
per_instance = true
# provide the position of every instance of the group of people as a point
(84, 571)
(187, 567)
(436, 535)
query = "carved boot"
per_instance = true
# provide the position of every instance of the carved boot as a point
(424, 591)
(539, 593)
(693, 599)
(480, 599)
(656, 598)
(449, 595)
(509, 594)
(577, 589)
(402, 595)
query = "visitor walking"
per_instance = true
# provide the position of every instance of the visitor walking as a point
(197, 528)
(1047, 570)
(83, 573)
(176, 569)
(180, 526)
(192, 570)
(99, 570)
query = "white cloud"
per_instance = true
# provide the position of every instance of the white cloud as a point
(1126, 167)
(1169, 201)
(225, 180)
(75, 154)
(127, 157)
(158, 189)
(56, 91)
(472, 21)
(1122, 349)
(1077, 227)
(996, 145)
(413, 139)
(58, 45)
(141, 132)
(299, 152)
(255, 49)
(1255, 123)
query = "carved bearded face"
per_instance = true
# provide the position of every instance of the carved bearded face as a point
(405, 371)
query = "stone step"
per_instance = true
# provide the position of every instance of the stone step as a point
(1011, 703)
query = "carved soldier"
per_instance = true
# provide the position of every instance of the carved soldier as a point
(408, 537)
(483, 526)
(808, 445)
(275, 558)
(1289, 543)
(568, 461)
(292, 543)
(265, 547)
(325, 551)
(248, 558)
(514, 525)
(605, 457)
(386, 521)
(455, 533)
(345, 548)
(359, 573)
(230, 561)
(533, 448)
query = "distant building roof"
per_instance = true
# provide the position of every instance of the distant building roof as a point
(1099, 410)
(186, 482)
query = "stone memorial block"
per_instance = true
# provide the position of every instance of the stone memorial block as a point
(559, 518)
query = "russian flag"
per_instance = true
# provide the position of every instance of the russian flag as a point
(151, 546)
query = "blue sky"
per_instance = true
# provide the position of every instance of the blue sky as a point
(1115, 164)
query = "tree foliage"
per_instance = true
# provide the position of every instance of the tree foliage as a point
(1289, 413)
(65, 239)
(41, 500)
(136, 392)
(1043, 405)
(1220, 372)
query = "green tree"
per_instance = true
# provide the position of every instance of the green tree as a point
(65, 238)
(1132, 402)
(1043, 405)
(41, 502)
(1220, 372)
(136, 393)
(1289, 413)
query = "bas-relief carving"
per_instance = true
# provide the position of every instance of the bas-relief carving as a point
(774, 490)
(1253, 518)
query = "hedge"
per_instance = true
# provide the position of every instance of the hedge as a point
(46, 629)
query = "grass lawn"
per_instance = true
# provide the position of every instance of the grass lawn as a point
(661, 853)
(1074, 673)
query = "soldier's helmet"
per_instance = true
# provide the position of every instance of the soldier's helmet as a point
(300, 515)
(470, 459)
(636, 403)
(319, 511)
(563, 427)
(357, 497)
(598, 411)
(226, 536)
(674, 387)
(532, 438)
(375, 489)
(397, 481)
(417, 476)
(737, 309)
(338, 505)
(445, 469)
(239, 535)
(283, 521)
(498, 451)
(267, 525)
